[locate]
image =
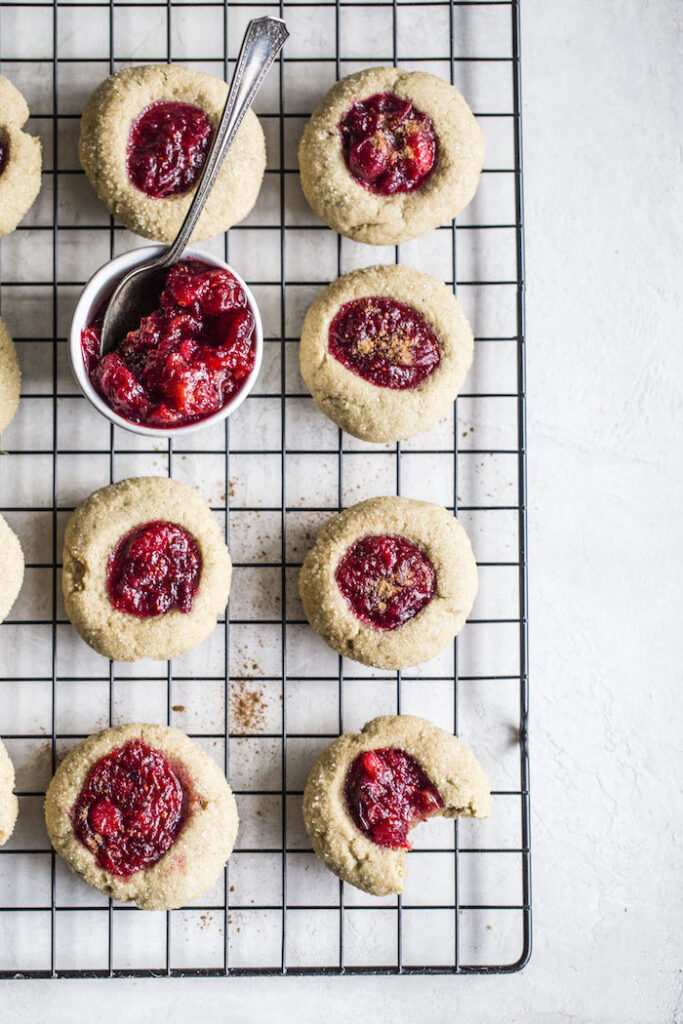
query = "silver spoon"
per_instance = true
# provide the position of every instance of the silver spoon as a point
(137, 293)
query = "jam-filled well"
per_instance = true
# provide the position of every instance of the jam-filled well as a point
(385, 342)
(389, 145)
(132, 808)
(4, 150)
(386, 580)
(387, 792)
(155, 568)
(187, 359)
(167, 148)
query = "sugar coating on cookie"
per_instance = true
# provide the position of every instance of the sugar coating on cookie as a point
(109, 596)
(111, 127)
(373, 609)
(20, 159)
(454, 784)
(10, 378)
(342, 390)
(99, 815)
(443, 154)
(9, 805)
(11, 568)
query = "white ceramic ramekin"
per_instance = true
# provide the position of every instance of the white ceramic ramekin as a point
(92, 300)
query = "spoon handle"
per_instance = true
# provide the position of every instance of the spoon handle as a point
(262, 42)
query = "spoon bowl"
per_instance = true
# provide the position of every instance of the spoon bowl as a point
(92, 301)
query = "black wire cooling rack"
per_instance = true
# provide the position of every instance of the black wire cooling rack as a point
(272, 475)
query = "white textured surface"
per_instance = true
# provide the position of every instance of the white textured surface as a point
(602, 161)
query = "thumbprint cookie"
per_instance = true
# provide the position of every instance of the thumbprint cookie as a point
(20, 159)
(10, 378)
(389, 581)
(11, 568)
(9, 805)
(142, 813)
(145, 569)
(368, 789)
(390, 154)
(145, 135)
(384, 352)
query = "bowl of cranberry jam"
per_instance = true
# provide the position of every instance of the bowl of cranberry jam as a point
(191, 361)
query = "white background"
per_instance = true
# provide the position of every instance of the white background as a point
(605, 355)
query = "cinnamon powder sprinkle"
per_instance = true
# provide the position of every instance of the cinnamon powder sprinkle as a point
(247, 706)
(387, 587)
(396, 346)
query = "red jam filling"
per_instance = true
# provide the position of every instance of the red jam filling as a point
(154, 569)
(386, 580)
(389, 145)
(387, 792)
(167, 148)
(4, 150)
(385, 342)
(187, 359)
(131, 809)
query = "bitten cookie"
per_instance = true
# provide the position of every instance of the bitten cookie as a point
(9, 805)
(384, 352)
(10, 378)
(11, 569)
(145, 569)
(389, 581)
(368, 789)
(145, 134)
(20, 159)
(390, 154)
(142, 813)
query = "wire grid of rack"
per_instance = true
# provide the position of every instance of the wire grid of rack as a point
(272, 475)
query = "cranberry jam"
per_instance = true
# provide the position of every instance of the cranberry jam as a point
(385, 342)
(167, 148)
(154, 569)
(386, 580)
(389, 145)
(187, 359)
(4, 150)
(387, 792)
(131, 809)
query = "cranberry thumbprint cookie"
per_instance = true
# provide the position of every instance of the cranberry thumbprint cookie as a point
(142, 813)
(10, 378)
(20, 159)
(145, 569)
(9, 805)
(384, 352)
(145, 136)
(389, 581)
(390, 154)
(368, 789)
(11, 569)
